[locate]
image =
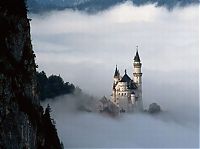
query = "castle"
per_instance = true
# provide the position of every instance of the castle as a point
(127, 92)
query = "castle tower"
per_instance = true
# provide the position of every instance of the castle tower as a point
(137, 73)
(116, 79)
(137, 78)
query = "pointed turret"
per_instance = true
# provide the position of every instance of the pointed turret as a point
(116, 74)
(137, 74)
(137, 78)
(137, 57)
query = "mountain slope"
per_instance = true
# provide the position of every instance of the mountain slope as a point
(23, 123)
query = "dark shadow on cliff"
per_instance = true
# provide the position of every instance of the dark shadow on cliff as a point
(22, 121)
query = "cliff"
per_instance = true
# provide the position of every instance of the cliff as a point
(22, 121)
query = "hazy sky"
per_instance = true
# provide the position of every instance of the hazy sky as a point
(84, 50)
(83, 47)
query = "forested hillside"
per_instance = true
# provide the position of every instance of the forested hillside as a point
(52, 86)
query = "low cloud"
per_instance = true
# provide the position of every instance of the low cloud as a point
(81, 129)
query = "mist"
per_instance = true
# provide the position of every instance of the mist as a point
(81, 129)
(84, 49)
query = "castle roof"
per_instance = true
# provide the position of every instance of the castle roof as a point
(137, 57)
(132, 85)
(125, 78)
(116, 74)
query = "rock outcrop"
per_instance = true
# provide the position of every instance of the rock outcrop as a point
(21, 116)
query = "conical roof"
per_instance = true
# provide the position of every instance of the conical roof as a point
(116, 74)
(137, 57)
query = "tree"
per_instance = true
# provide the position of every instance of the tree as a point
(62, 145)
(52, 86)
(42, 84)
(50, 131)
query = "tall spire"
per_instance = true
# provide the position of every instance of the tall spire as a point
(137, 57)
(116, 72)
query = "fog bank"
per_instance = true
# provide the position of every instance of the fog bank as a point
(78, 129)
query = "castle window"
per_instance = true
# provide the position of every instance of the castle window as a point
(122, 94)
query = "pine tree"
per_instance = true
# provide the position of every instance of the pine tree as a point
(51, 136)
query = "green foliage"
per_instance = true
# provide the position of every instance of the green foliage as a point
(50, 131)
(62, 145)
(52, 86)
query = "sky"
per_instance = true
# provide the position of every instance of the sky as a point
(84, 49)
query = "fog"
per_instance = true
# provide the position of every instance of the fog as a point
(84, 50)
(79, 129)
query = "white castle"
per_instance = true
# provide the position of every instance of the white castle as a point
(127, 92)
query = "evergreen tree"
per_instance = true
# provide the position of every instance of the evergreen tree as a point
(52, 86)
(62, 145)
(51, 137)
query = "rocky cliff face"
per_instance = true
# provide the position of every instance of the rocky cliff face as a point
(21, 116)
